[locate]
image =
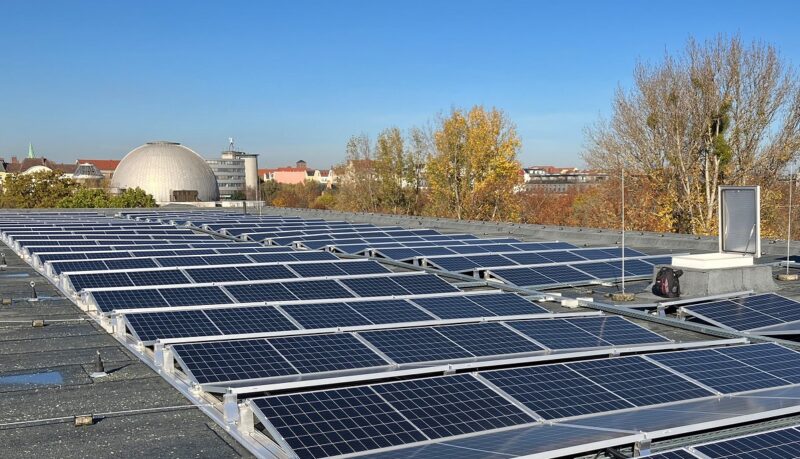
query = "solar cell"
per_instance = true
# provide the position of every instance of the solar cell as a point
(220, 361)
(389, 311)
(415, 345)
(99, 280)
(601, 270)
(172, 324)
(77, 266)
(320, 353)
(559, 334)
(141, 278)
(109, 300)
(783, 443)
(617, 330)
(562, 274)
(325, 315)
(317, 270)
(638, 381)
(254, 293)
(452, 307)
(192, 296)
(750, 312)
(772, 358)
(424, 284)
(365, 267)
(563, 256)
(313, 255)
(448, 406)
(256, 319)
(488, 339)
(676, 454)
(454, 264)
(266, 272)
(131, 263)
(317, 289)
(718, 371)
(336, 422)
(506, 304)
(374, 286)
(522, 277)
(228, 274)
(526, 258)
(555, 391)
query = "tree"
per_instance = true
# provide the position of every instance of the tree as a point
(720, 112)
(85, 198)
(473, 172)
(302, 195)
(38, 189)
(357, 177)
(238, 196)
(269, 189)
(132, 197)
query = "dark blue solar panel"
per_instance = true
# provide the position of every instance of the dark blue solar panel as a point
(192, 296)
(555, 391)
(466, 249)
(227, 260)
(783, 443)
(452, 307)
(325, 315)
(314, 255)
(142, 278)
(99, 280)
(617, 330)
(256, 319)
(507, 304)
(733, 315)
(675, 454)
(110, 300)
(131, 263)
(563, 256)
(718, 371)
(77, 266)
(317, 269)
(201, 275)
(389, 311)
(365, 267)
(424, 284)
(558, 334)
(522, 277)
(173, 324)
(399, 254)
(772, 358)
(272, 257)
(526, 258)
(488, 339)
(320, 353)
(454, 405)
(255, 293)
(453, 264)
(181, 261)
(601, 270)
(336, 422)
(415, 345)
(266, 272)
(317, 289)
(232, 360)
(639, 381)
(562, 274)
(558, 245)
(374, 286)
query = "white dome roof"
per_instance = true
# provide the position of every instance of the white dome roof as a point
(160, 168)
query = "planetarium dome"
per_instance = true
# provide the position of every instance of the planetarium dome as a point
(160, 168)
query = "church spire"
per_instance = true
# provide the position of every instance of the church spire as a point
(30, 151)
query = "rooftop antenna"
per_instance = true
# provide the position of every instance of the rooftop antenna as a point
(788, 276)
(230, 144)
(622, 295)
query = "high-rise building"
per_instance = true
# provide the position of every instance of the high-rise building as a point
(237, 174)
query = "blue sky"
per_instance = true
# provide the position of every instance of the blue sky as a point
(295, 79)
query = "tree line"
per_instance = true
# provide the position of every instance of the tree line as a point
(50, 189)
(717, 112)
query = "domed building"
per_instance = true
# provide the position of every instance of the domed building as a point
(167, 170)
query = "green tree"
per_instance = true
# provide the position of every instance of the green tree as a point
(473, 172)
(238, 196)
(39, 189)
(132, 198)
(85, 198)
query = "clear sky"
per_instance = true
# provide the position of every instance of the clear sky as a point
(293, 80)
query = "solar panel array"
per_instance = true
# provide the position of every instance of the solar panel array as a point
(293, 317)
(779, 443)
(766, 313)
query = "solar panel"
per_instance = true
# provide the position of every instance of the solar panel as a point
(415, 345)
(676, 454)
(336, 422)
(559, 334)
(563, 257)
(109, 300)
(617, 330)
(522, 277)
(256, 319)
(374, 286)
(389, 311)
(452, 307)
(266, 272)
(193, 296)
(638, 381)
(448, 406)
(506, 304)
(751, 312)
(317, 289)
(718, 371)
(317, 270)
(320, 353)
(131, 263)
(424, 284)
(215, 275)
(173, 324)
(601, 270)
(220, 361)
(365, 267)
(314, 256)
(772, 358)
(783, 443)
(99, 280)
(555, 391)
(526, 258)
(562, 274)
(141, 278)
(325, 315)
(254, 293)
(488, 339)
